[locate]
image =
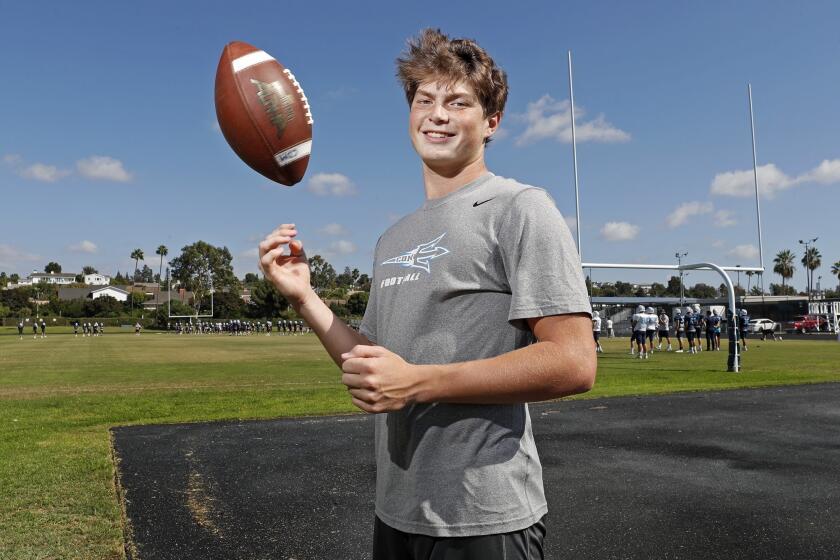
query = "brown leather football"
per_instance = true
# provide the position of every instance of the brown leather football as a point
(263, 113)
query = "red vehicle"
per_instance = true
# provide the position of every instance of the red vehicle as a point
(806, 323)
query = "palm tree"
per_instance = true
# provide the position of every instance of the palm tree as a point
(811, 260)
(137, 255)
(835, 270)
(784, 265)
(162, 251)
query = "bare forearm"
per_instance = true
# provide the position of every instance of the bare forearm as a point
(334, 334)
(541, 371)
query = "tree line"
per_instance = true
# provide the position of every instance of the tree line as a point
(199, 268)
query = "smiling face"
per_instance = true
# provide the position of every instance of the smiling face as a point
(448, 127)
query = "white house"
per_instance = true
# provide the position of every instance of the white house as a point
(116, 293)
(97, 279)
(59, 278)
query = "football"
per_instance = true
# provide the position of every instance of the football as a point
(263, 113)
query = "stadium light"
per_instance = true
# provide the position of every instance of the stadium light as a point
(808, 263)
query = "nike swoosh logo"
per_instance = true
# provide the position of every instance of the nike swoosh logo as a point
(480, 203)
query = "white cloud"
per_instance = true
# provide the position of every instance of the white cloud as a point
(343, 247)
(826, 173)
(334, 184)
(548, 118)
(10, 257)
(619, 231)
(12, 159)
(723, 218)
(686, 210)
(771, 180)
(747, 251)
(333, 229)
(83, 247)
(43, 172)
(718, 243)
(103, 168)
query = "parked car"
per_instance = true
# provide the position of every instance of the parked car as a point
(806, 323)
(758, 326)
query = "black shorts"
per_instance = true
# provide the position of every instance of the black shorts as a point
(690, 336)
(650, 334)
(391, 544)
(639, 337)
(596, 335)
(663, 334)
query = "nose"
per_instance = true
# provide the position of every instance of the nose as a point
(438, 114)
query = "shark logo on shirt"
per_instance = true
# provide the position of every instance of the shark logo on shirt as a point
(420, 256)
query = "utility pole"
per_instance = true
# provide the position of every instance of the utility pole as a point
(808, 263)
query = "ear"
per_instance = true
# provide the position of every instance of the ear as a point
(493, 122)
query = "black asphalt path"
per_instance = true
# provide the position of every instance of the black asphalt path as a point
(746, 474)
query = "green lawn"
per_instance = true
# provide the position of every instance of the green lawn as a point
(59, 396)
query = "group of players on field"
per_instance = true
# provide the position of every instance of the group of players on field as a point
(648, 325)
(236, 327)
(88, 329)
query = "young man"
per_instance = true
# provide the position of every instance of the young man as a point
(490, 265)
(679, 328)
(639, 333)
(690, 329)
(663, 329)
(596, 330)
(714, 325)
(744, 328)
(699, 323)
(710, 345)
(20, 329)
(651, 319)
(610, 331)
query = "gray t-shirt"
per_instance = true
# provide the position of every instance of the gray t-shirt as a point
(455, 281)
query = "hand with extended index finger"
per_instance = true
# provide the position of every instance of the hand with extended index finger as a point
(379, 380)
(287, 270)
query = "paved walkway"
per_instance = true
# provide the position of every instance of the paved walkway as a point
(731, 475)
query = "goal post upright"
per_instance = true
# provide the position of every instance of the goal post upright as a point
(734, 357)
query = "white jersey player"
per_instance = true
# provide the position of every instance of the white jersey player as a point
(596, 330)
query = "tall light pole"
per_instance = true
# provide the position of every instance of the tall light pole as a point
(679, 257)
(808, 263)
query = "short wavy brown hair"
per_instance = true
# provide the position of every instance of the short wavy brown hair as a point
(434, 56)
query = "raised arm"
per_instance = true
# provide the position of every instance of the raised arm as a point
(289, 272)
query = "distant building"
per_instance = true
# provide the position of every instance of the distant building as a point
(62, 279)
(116, 293)
(91, 293)
(97, 279)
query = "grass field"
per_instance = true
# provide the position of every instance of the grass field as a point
(60, 395)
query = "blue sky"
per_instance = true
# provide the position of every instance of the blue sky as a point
(108, 140)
